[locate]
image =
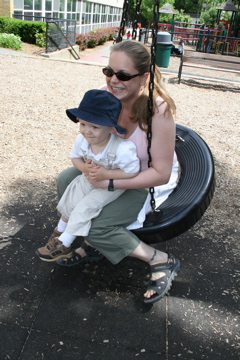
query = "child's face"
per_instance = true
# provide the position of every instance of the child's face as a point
(95, 134)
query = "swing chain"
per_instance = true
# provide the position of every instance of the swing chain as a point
(123, 22)
(135, 22)
(150, 98)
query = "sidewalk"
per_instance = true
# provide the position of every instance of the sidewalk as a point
(99, 56)
(95, 311)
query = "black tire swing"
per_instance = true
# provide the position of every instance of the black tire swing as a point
(194, 191)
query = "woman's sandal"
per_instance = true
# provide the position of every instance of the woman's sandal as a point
(163, 284)
(91, 255)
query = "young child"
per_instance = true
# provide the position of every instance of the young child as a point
(99, 154)
(180, 48)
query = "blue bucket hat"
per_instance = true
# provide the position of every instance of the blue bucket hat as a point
(98, 107)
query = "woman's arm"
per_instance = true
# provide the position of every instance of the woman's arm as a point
(162, 150)
(99, 173)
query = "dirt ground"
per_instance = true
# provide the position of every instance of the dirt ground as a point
(36, 136)
(31, 49)
(37, 50)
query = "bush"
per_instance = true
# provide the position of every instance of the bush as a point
(94, 38)
(41, 39)
(91, 43)
(10, 41)
(27, 30)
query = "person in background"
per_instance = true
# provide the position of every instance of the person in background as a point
(180, 50)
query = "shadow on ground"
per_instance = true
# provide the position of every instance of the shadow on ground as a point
(95, 311)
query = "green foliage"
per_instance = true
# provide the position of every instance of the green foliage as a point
(27, 30)
(188, 6)
(95, 37)
(209, 17)
(180, 16)
(237, 26)
(147, 9)
(41, 38)
(10, 41)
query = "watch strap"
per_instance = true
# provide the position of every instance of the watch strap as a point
(110, 185)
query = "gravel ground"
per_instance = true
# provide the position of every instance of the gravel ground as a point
(36, 136)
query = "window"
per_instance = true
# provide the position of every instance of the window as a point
(71, 5)
(56, 5)
(28, 4)
(48, 5)
(18, 14)
(37, 5)
(28, 16)
(18, 4)
(38, 16)
(86, 12)
(61, 7)
(88, 7)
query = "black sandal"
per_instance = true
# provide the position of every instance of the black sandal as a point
(162, 285)
(91, 255)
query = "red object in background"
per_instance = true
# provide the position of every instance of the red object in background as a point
(164, 24)
(224, 21)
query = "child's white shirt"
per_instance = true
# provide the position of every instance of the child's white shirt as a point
(126, 154)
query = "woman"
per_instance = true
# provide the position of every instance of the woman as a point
(127, 78)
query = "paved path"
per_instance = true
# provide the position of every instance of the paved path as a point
(98, 56)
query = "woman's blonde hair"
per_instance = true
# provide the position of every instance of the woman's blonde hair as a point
(140, 55)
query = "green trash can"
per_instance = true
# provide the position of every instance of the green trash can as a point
(164, 46)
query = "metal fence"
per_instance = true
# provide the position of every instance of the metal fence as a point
(33, 17)
(60, 34)
(203, 41)
(209, 41)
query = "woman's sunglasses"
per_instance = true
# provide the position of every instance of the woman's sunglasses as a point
(120, 75)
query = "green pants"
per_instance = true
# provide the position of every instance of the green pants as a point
(108, 231)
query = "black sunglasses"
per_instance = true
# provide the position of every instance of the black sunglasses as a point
(120, 75)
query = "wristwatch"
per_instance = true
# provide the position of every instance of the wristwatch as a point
(110, 185)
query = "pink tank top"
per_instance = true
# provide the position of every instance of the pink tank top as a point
(139, 138)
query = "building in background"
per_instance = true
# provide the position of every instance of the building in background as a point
(89, 15)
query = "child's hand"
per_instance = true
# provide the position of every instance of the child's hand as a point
(88, 166)
(97, 173)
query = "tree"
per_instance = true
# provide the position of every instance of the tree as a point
(189, 6)
(209, 17)
(147, 9)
